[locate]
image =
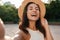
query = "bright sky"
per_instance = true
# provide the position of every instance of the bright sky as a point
(18, 2)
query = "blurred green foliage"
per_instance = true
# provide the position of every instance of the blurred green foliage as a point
(9, 13)
(53, 11)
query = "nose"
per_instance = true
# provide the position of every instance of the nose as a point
(34, 10)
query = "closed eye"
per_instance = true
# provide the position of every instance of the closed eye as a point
(30, 9)
(37, 8)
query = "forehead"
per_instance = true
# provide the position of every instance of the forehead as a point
(33, 5)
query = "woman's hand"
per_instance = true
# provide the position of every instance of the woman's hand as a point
(48, 33)
(44, 23)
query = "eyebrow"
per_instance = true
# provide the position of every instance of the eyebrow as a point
(32, 7)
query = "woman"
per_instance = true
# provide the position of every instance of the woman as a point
(33, 25)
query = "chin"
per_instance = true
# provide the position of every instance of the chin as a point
(34, 19)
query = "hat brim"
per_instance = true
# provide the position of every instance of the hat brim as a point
(24, 3)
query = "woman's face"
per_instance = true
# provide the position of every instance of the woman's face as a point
(33, 12)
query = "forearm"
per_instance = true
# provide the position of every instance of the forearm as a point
(48, 34)
(2, 39)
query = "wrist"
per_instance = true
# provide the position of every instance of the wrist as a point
(47, 28)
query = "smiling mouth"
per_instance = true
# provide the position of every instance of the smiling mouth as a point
(33, 15)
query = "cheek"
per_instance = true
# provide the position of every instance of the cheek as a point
(28, 14)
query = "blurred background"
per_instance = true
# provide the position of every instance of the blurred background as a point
(9, 15)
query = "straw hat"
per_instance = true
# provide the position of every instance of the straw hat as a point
(24, 3)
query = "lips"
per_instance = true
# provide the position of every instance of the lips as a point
(34, 15)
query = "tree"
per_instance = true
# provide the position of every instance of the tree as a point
(53, 11)
(8, 12)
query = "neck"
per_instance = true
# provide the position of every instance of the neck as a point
(32, 25)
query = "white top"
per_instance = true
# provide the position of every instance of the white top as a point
(35, 35)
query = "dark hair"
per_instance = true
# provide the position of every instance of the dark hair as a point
(25, 22)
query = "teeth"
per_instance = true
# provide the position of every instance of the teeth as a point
(33, 15)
